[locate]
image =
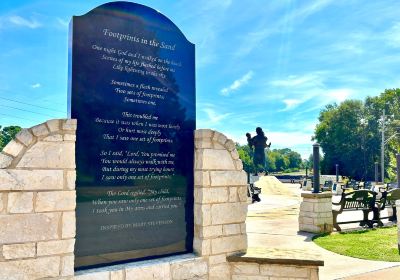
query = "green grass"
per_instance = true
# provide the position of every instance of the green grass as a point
(375, 244)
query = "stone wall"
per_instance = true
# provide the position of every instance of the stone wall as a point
(265, 271)
(37, 202)
(37, 214)
(316, 212)
(220, 208)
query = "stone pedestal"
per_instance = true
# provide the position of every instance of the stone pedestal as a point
(316, 212)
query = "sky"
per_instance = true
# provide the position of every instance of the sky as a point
(273, 64)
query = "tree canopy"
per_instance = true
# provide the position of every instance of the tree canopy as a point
(350, 135)
(276, 160)
(7, 134)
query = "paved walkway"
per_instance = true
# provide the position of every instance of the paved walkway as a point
(272, 224)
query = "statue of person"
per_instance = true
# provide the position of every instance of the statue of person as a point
(259, 142)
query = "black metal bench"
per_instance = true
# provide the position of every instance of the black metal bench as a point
(363, 200)
(327, 186)
(388, 200)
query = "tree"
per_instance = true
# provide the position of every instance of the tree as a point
(245, 154)
(7, 134)
(276, 160)
(350, 135)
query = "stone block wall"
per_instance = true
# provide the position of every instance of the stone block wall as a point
(220, 208)
(37, 214)
(37, 202)
(247, 271)
(316, 212)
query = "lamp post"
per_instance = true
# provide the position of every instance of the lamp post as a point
(383, 143)
(376, 172)
(316, 168)
(383, 148)
(337, 172)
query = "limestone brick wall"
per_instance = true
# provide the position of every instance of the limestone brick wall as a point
(316, 212)
(247, 271)
(220, 208)
(37, 214)
(37, 202)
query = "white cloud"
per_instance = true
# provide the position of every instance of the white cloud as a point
(253, 39)
(298, 141)
(37, 85)
(293, 16)
(339, 95)
(291, 104)
(63, 23)
(20, 21)
(237, 84)
(392, 36)
(307, 80)
(214, 117)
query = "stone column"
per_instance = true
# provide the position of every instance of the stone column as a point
(37, 202)
(316, 212)
(220, 201)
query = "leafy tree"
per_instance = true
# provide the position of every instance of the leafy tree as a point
(276, 160)
(350, 135)
(245, 154)
(7, 134)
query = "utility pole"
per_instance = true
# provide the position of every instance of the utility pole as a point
(383, 148)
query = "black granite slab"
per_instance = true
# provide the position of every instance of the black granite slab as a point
(132, 90)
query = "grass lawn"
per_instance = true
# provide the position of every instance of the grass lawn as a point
(375, 244)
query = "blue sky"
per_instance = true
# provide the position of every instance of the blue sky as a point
(273, 64)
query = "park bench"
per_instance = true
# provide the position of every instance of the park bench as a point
(353, 184)
(337, 188)
(307, 185)
(363, 200)
(327, 186)
(388, 200)
(252, 190)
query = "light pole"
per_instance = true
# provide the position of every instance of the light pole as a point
(316, 167)
(383, 148)
(383, 143)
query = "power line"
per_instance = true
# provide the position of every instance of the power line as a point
(21, 102)
(18, 117)
(28, 111)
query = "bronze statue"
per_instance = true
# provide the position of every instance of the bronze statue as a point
(259, 142)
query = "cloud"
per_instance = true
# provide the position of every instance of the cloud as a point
(392, 36)
(237, 84)
(253, 39)
(339, 95)
(294, 15)
(20, 21)
(296, 140)
(37, 85)
(307, 80)
(214, 117)
(291, 104)
(63, 23)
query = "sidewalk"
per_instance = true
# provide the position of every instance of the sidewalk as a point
(272, 224)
